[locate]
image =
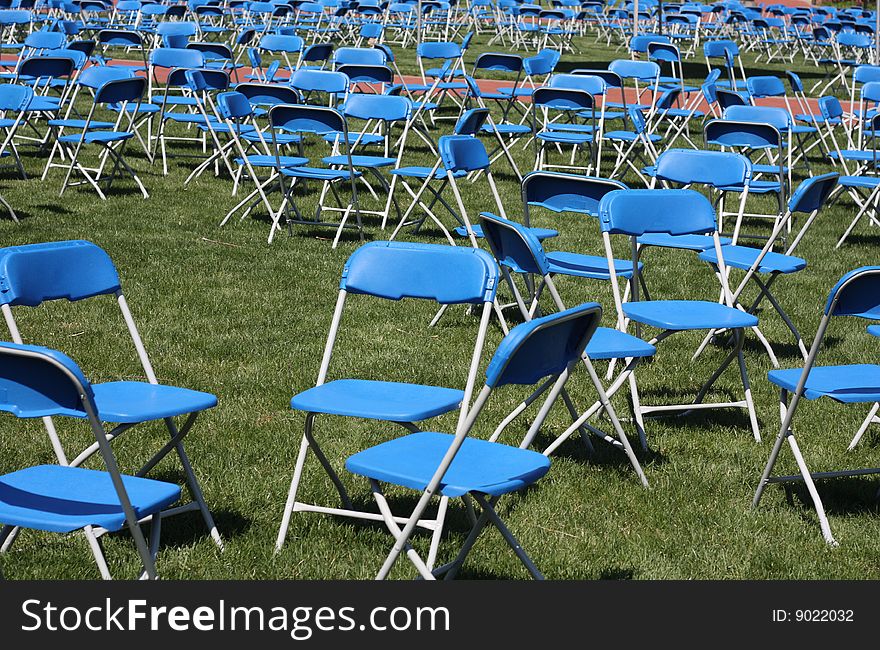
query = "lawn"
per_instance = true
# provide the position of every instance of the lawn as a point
(222, 311)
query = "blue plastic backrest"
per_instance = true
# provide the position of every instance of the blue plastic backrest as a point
(471, 121)
(301, 118)
(562, 98)
(710, 92)
(812, 193)
(564, 192)
(47, 66)
(729, 133)
(588, 83)
(640, 70)
(438, 50)
(123, 37)
(668, 99)
(281, 43)
(121, 90)
(716, 168)
(446, 274)
(176, 29)
(544, 62)
(174, 57)
(37, 382)
(15, 97)
(830, 108)
(233, 105)
(866, 73)
(73, 270)
(794, 81)
(639, 212)
(45, 40)
(371, 30)
(715, 49)
(462, 153)
(319, 80)
(640, 43)
(514, 245)
(359, 56)
(207, 79)
(543, 347)
(379, 74)
(261, 94)
(15, 17)
(871, 91)
(377, 107)
(499, 61)
(662, 51)
(765, 86)
(854, 39)
(97, 75)
(637, 119)
(318, 52)
(856, 294)
(776, 117)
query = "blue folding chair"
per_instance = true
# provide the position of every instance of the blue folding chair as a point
(637, 213)
(14, 100)
(379, 115)
(119, 92)
(809, 198)
(517, 251)
(393, 270)
(457, 465)
(765, 146)
(460, 154)
(77, 270)
(303, 120)
(855, 294)
(571, 104)
(40, 382)
(239, 111)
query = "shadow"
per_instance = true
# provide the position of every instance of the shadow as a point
(189, 528)
(617, 573)
(843, 496)
(866, 240)
(604, 453)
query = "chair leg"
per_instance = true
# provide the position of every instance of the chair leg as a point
(750, 405)
(194, 487)
(869, 420)
(766, 477)
(291, 494)
(489, 510)
(397, 532)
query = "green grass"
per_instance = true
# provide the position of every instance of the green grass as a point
(223, 312)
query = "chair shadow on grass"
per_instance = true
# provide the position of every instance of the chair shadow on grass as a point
(188, 529)
(840, 496)
(604, 454)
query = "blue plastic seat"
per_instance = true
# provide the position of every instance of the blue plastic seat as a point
(856, 294)
(479, 466)
(71, 498)
(40, 382)
(679, 315)
(378, 400)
